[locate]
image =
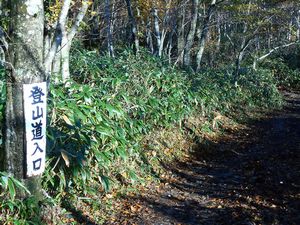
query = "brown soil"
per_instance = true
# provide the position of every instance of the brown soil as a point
(251, 176)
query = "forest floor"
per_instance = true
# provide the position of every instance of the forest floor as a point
(249, 176)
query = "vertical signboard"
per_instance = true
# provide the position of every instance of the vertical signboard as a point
(35, 105)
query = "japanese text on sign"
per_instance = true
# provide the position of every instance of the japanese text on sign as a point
(35, 103)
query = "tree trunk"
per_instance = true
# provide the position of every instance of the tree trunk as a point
(110, 46)
(156, 31)
(204, 34)
(133, 26)
(290, 30)
(27, 31)
(219, 33)
(191, 35)
(162, 41)
(180, 35)
(58, 36)
(244, 45)
(62, 41)
(170, 41)
(149, 39)
(238, 62)
(65, 58)
(298, 25)
(56, 68)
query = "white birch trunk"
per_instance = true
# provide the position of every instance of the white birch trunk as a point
(110, 46)
(180, 35)
(62, 40)
(156, 31)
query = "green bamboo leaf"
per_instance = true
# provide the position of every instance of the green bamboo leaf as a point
(11, 189)
(19, 185)
(121, 152)
(103, 130)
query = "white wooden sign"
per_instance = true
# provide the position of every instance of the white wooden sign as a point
(35, 105)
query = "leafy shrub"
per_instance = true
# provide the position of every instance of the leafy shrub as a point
(286, 76)
(98, 122)
(217, 90)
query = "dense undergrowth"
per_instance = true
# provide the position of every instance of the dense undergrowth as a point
(287, 76)
(99, 122)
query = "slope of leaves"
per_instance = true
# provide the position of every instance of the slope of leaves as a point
(98, 122)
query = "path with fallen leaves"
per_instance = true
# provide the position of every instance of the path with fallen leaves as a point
(248, 177)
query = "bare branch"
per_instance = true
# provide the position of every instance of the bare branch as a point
(276, 48)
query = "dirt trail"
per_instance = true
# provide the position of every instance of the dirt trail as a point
(249, 177)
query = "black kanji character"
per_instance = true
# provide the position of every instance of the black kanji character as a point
(37, 149)
(37, 94)
(39, 113)
(37, 131)
(37, 164)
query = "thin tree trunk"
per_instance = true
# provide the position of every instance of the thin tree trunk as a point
(62, 40)
(204, 34)
(270, 39)
(191, 35)
(149, 39)
(156, 32)
(133, 26)
(180, 35)
(110, 46)
(290, 30)
(257, 43)
(162, 41)
(56, 67)
(244, 45)
(170, 41)
(58, 36)
(298, 25)
(65, 58)
(219, 33)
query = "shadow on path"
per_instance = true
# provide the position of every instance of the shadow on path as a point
(251, 176)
